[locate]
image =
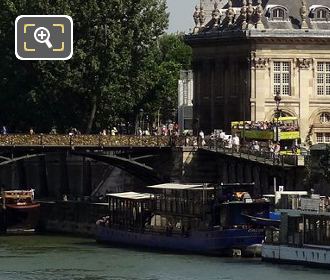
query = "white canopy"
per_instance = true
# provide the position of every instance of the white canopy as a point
(132, 195)
(177, 186)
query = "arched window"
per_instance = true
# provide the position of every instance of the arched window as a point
(278, 14)
(325, 117)
(321, 14)
(281, 114)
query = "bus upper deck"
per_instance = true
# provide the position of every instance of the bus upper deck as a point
(288, 129)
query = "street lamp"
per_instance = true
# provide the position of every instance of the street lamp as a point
(141, 121)
(244, 113)
(138, 121)
(277, 99)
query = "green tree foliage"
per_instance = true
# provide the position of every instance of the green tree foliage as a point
(172, 55)
(119, 63)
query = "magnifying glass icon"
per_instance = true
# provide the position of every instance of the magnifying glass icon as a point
(42, 35)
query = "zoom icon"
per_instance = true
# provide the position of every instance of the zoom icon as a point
(48, 37)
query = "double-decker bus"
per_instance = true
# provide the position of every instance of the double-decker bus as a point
(285, 130)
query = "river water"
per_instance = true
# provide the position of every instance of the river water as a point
(68, 258)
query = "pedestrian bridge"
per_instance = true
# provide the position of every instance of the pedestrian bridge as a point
(263, 157)
(51, 142)
(81, 141)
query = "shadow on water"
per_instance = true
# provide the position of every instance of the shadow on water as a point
(55, 257)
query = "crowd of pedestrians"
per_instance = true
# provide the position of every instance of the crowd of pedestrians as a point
(170, 129)
(265, 125)
(233, 142)
(219, 137)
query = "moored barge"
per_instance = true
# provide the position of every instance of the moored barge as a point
(19, 211)
(302, 238)
(196, 218)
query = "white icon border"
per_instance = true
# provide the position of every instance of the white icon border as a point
(44, 58)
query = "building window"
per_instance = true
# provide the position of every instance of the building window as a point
(323, 137)
(325, 118)
(327, 137)
(321, 14)
(278, 14)
(282, 77)
(323, 78)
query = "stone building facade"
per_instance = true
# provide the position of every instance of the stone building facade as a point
(244, 52)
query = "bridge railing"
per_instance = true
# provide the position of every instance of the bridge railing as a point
(51, 140)
(262, 155)
(108, 141)
(242, 151)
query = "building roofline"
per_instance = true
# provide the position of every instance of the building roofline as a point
(239, 35)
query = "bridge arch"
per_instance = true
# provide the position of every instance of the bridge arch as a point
(9, 160)
(144, 172)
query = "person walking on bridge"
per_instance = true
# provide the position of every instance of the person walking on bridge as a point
(236, 143)
(277, 149)
(202, 138)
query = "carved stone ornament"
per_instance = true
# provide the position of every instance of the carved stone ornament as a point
(303, 15)
(250, 11)
(304, 63)
(260, 62)
(216, 14)
(244, 14)
(202, 17)
(259, 11)
(230, 13)
(196, 16)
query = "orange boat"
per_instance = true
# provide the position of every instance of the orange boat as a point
(20, 213)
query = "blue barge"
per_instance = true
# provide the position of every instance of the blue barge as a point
(210, 242)
(197, 218)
